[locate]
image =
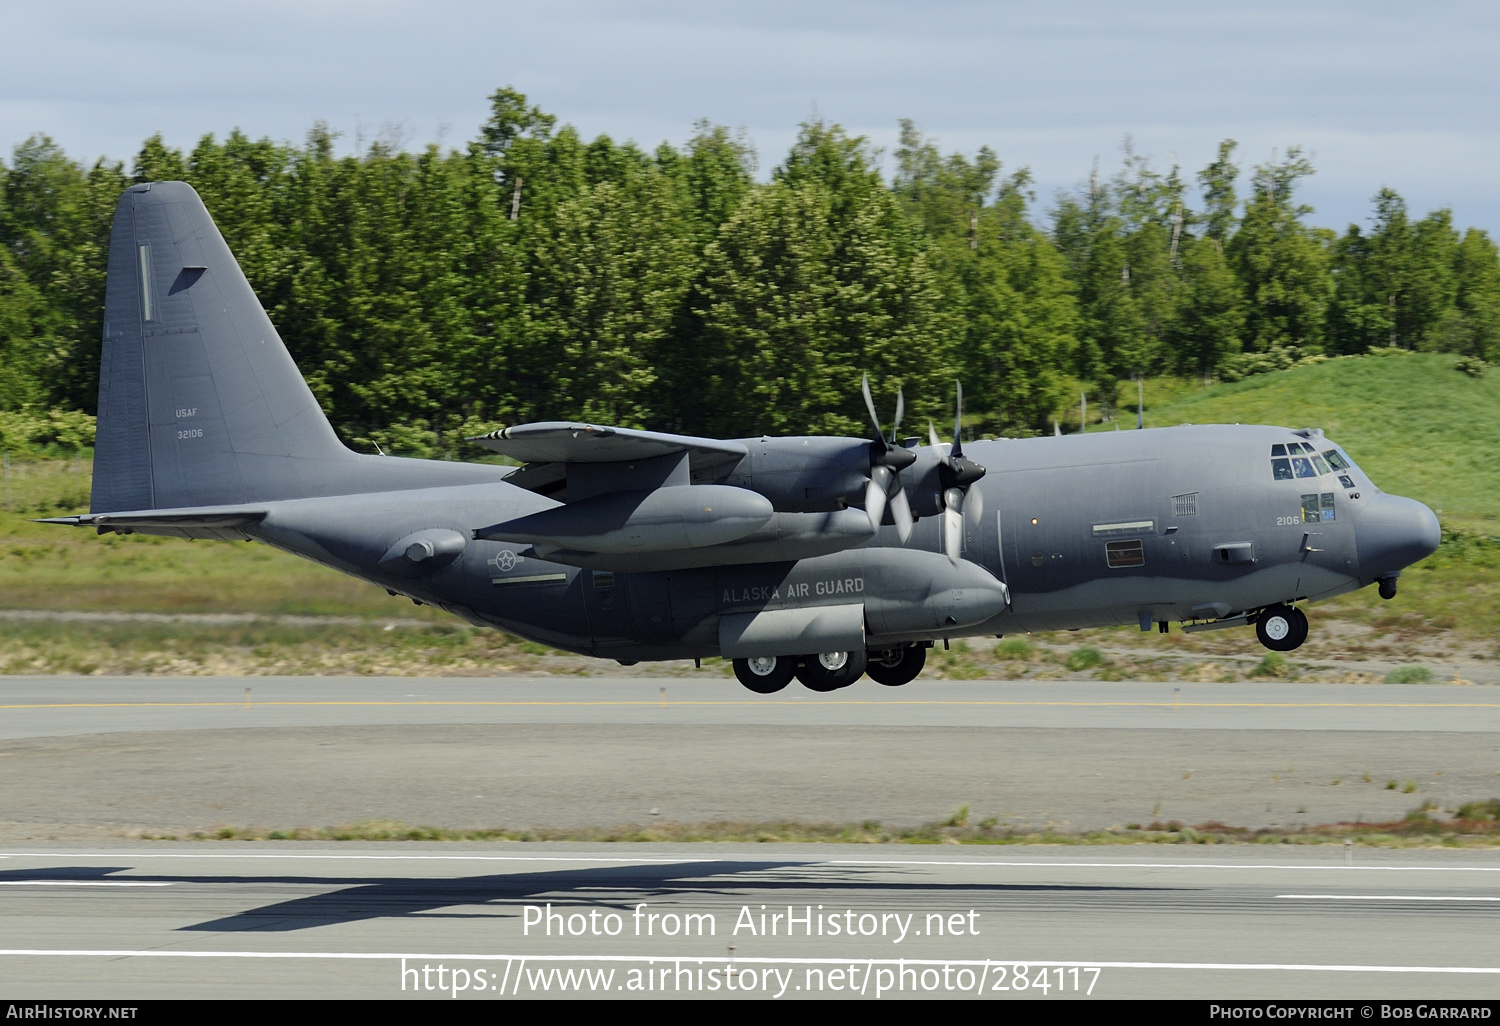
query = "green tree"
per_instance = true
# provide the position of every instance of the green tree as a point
(1004, 280)
(607, 280)
(817, 278)
(1281, 262)
(55, 219)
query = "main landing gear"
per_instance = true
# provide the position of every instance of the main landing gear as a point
(896, 666)
(1281, 628)
(830, 671)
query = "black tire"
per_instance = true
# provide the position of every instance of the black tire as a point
(1277, 629)
(766, 675)
(1301, 626)
(816, 673)
(897, 666)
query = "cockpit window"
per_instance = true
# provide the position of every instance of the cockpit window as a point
(1336, 459)
(1278, 450)
(1282, 469)
(1303, 466)
(1322, 467)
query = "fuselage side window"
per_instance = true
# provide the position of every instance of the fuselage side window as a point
(1312, 509)
(1346, 480)
(1125, 553)
(1281, 469)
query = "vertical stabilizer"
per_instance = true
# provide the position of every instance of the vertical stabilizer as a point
(200, 403)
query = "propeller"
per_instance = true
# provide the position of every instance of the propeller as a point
(887, 460)
(956, 475)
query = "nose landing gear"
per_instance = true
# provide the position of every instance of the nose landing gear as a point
(1281, 628)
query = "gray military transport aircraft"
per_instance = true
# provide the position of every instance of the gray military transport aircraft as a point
(821, 558)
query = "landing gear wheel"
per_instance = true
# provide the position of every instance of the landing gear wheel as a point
(829, 671)
(765, 675)
(1300, 625)
(896, 666)
(1281, 628)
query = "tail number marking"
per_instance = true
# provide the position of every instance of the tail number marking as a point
(190, 433)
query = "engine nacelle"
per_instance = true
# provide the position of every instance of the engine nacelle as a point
(805, 475)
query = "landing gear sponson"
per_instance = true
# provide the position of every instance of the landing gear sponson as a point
(830, 671)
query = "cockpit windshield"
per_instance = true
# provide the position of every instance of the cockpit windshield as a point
(1294, 460)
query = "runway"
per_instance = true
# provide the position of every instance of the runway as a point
(90, 762)
(286, 920)
(97, 758)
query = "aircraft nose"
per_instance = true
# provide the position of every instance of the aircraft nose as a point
(1394, 532)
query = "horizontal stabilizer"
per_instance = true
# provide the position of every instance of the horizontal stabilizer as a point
(563, 442)
(185, 522)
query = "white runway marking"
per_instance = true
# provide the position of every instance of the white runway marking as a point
(86, 883)
(660, 958)
(756, 858)
(1378, 897)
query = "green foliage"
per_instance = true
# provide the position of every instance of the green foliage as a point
(534, 273)
(1485, 811)
(1085, 658)
(1014, 648)
(45, 432)
(815, 279)
(1409, 675)
(1282, 263)
(1272, 664)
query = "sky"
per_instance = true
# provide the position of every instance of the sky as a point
(1376, 93)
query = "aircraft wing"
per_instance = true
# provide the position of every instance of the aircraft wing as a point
(550, 448)
(563, 442)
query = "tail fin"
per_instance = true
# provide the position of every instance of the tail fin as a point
(200, 403)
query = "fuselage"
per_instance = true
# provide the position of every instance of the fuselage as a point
(1192, 523)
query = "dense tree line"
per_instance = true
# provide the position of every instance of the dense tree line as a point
(539, 275)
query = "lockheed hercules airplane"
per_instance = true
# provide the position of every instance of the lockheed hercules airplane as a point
(821, 558)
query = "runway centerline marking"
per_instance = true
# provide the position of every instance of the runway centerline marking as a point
(761, 960)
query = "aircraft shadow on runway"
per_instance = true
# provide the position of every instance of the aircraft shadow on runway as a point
(615, 887)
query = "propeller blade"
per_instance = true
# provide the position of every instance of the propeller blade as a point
(864, 386)
(900, 411)
(901, 513)
(875, 495)
(958, 423)
(953, 523)
(933, 438)
(974, 506)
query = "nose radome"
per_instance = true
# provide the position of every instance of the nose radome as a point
(1392, 533)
